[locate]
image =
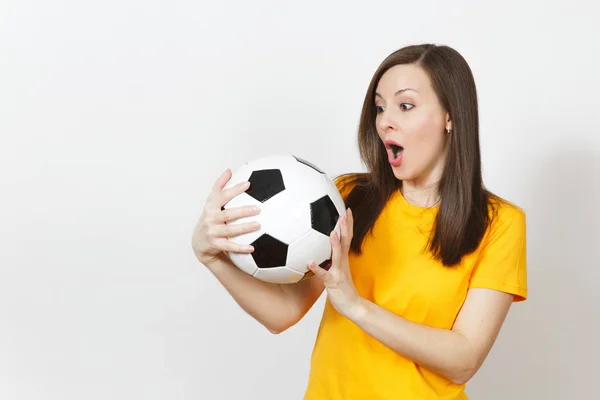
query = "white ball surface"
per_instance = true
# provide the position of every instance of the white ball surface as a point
(300, 207)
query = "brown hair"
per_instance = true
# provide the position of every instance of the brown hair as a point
(463, 215)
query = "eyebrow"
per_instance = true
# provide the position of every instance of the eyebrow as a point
(398, 92)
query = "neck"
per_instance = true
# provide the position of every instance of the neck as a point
(421, 194)
(423, 190)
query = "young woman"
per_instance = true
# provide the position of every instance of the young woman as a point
(428, 262)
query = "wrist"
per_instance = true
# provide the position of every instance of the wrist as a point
(203, 258)
(358, 311)
(210, 260)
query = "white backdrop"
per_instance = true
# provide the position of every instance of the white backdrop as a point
(116, 117)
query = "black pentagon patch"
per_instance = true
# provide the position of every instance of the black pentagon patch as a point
(269, 252)
(307, 163)
(323, 215)
(265, 184)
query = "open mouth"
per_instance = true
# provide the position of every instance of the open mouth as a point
(395, 152)
(396, 149)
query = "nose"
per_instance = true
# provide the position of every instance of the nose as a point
(385, 124)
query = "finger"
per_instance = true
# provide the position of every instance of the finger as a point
(222, 181)
(231, 246)
(230, 230)
(318, 271)
(232, 214)
(345, 242)
(336, 250)
(350, 224)
(228, 194)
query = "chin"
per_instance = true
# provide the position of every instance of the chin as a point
(400, 174)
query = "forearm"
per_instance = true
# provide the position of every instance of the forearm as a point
(446, 352)
(266, 302)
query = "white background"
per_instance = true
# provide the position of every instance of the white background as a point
(116, 117)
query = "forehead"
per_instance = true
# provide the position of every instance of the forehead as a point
(402, 77)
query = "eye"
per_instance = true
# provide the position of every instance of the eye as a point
(379, 109)
(404, 106)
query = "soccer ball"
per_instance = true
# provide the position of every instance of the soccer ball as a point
(300, 207)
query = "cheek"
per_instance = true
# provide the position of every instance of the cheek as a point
(425, 141)
(426, 135)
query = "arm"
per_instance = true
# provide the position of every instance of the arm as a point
(275, 306)
(456, 354)
(497, 281)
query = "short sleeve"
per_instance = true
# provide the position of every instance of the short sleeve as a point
(502, 263)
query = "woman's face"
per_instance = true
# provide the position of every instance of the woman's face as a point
(411, 123)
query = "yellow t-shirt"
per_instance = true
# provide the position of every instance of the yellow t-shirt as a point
(396, 274)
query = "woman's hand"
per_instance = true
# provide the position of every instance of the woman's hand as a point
(210, 237)
(341, 291)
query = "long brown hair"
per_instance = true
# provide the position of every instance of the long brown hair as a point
(464, 210)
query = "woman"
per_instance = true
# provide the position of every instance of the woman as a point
(428, 262)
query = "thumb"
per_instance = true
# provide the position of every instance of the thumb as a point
(318, 271)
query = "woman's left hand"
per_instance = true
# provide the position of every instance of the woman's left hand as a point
(338, 279)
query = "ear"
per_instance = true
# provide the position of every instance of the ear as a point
(449, 125)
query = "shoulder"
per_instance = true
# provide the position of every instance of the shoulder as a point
(506, 218)
(503, 209)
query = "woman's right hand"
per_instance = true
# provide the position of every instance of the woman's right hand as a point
(211, 235)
